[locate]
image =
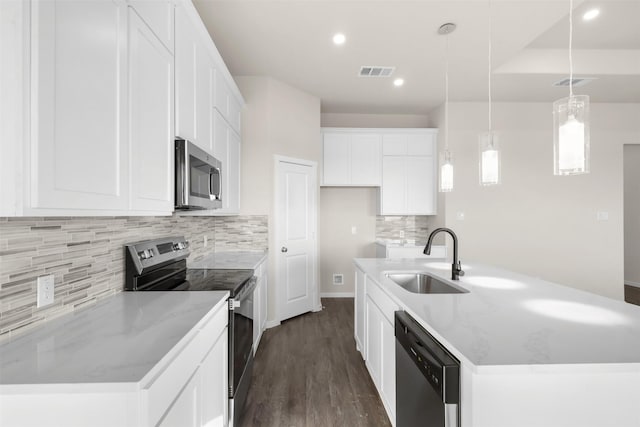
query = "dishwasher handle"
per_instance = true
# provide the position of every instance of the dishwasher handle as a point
(440, 368)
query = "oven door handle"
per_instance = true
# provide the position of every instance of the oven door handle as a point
(247, 289)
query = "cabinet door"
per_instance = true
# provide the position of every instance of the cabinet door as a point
(336, 159)
(185, 411)
(264, 297)
(214, 384)
(359, 309)
(150, 119)
(221, 151)
(394, 144)
(373, 343)
(388, 365)
(79, 149)
(421, 193)
(203, 91)
(394, 186)
(257, 306)
(158, 15)
(420, 145)
(365, 159)
(185, 55)
(233, 174)
(221, 95)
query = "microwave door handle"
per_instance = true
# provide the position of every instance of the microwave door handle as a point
(217, 195)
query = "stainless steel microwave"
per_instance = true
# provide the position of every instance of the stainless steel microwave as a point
(198, 178)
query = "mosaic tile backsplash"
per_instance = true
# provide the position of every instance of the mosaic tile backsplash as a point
(86, 257)
(414, 227)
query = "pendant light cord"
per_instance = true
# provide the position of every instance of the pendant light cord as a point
(570, 50)
(490, 112)
(446, 94)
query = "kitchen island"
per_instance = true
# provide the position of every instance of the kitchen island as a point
(532, 353)
(125, 361)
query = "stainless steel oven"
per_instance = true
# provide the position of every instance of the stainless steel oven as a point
(198, 178)
(160, 265)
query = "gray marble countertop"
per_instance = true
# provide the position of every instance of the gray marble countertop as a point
(508, 320)
(118, 340)
(241, 260)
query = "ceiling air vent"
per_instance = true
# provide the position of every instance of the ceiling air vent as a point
(577, 81)
(375, 71)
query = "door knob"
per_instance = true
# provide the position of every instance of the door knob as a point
(284, 249)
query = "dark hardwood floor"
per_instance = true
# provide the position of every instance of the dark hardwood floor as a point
(307, 372)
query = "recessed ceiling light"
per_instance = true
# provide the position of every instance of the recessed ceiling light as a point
(339, 38)
(591, 14)
(398, 82)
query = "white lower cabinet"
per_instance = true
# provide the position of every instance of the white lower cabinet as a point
(380, 344)
(188, 387)
(204, 400)
(260, 304)
(359, 310)
(184, 411)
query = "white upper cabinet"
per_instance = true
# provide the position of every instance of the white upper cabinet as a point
(351, 157)
(208, 104)
(194, 70)
(158, 15)
(150, 113)
(78, 157)
(225, 102)
(409, 166)
(97, 134)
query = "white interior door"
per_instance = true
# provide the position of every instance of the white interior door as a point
(296, 202)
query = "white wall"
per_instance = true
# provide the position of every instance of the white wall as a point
(277, 120)
(375, 120)
(341, 208)
(632, 214)
(534, 222)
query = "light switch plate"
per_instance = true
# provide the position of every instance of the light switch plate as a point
(460, 216)
(602, 216)
(45, 290)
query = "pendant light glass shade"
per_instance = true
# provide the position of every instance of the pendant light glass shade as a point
(489, 159)
(446, 171)
(571, 135)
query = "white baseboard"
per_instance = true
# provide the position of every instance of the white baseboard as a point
(337, 294)
(630, 283)
(272, 324)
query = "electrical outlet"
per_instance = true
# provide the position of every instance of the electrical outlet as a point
(401, 233)
(460, 216)
(206, 241)
(45, 290)
(602, 216)
(354, 230)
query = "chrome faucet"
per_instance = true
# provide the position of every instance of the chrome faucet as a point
(456, 268)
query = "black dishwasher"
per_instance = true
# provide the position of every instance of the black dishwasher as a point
(427, 378)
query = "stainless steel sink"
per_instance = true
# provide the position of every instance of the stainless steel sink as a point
(421, 283)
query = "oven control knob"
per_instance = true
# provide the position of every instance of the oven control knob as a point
(150, 254)
(145, 254)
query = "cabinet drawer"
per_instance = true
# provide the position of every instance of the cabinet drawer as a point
(384, 303)
(161, 391)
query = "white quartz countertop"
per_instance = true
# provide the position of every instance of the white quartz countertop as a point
(509, 320)
(241, 260)
(118, 340)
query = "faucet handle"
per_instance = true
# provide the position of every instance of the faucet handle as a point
(459, 268)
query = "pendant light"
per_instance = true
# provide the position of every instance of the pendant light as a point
(446, 158)
(571, 125)
(488, 141)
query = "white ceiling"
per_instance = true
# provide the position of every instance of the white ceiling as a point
(290, 40)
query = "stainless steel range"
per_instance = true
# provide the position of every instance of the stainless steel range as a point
(160, 265)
